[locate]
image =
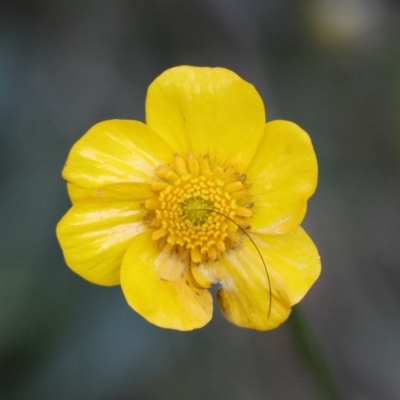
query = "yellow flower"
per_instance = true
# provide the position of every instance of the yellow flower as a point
(148, 201)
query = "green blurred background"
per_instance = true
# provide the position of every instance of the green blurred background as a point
(332, 66)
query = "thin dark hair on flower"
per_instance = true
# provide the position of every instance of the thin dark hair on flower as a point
(254, 244)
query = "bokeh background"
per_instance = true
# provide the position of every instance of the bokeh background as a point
(332, 66)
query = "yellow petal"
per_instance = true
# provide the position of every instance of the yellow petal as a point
(293, 266)
(293, 258)
(245, 293)
(282, 176)
(169, 267)
(113, 152)
(207, 111)
(176, 305)
(94, 238)
(110, 193)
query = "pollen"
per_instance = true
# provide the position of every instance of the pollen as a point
(197, 208)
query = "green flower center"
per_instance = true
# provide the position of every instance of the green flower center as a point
(196, 210)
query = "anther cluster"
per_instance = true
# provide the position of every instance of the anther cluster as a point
(196, 208)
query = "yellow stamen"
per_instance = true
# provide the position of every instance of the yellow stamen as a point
(220, 245)
(234, 186)
(194, 166)
(158, 186)
(243, 212)
(180, 165)
(159, 234)
(167, 174)
(212, 253)
(152, 204)
(196, 209)
(195, 254)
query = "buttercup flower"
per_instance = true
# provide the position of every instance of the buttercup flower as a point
(161, 208)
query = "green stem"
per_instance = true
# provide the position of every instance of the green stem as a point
(311, 354)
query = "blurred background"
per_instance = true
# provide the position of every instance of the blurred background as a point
(332, 66)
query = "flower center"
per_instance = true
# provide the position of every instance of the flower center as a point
(197, 209)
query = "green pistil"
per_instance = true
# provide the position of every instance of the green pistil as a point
(195, 210)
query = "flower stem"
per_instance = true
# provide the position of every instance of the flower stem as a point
(311, 354)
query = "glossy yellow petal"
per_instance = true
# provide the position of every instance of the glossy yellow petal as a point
(293, 266)
(110, 193)
(244, 295)
(293, 259)
(176, 305)
(95, 236)
(282, 176)
(115, 151)
(207, 111)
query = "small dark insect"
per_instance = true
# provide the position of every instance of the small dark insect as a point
(258, 251)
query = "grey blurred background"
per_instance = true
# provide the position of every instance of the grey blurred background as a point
(332, 66)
